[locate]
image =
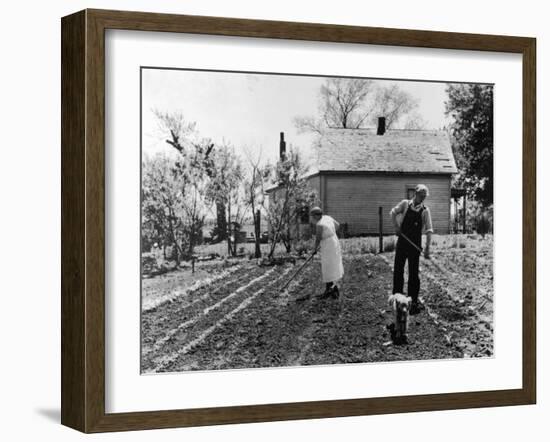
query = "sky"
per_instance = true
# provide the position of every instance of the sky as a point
(249, 110)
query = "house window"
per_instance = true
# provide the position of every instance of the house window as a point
(410, 192)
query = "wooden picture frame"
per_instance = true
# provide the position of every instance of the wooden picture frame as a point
(83, 220)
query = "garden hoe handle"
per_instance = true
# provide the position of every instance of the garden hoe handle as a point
(411, 243)
(296, 273)
(435, 264)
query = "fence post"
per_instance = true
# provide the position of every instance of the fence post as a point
(464, 218)
(380, 228)
(235, 239)
(257, 235)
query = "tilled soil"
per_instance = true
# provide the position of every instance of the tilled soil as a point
(465, 309)
(245, 321)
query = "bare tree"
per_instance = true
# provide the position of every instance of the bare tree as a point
(162, 203)
(194, 207)
(204, 148)
(309, 124)
(224, 187)
(288, 200)
(254, 191)
(190, 171)
(343, 103)
(415, 122)
(176, 127)
(392, 103)
(182, 136)
(354, 103)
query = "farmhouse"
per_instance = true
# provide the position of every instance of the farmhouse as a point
(359, 171)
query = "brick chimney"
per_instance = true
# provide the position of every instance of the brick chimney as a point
(381, 126)
(282, 147)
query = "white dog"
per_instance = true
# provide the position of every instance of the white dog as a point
(400, 305)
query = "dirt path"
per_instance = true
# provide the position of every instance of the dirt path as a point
(243, 321)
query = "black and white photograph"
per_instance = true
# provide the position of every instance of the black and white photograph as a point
(302, 220)
(265, 221)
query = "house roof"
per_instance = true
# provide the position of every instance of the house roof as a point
(399, 151)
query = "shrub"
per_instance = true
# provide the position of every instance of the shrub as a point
(149, 264)
(302, 247)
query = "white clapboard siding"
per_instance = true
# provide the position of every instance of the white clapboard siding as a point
(355, 198)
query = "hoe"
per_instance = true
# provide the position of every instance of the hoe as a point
(308, 260)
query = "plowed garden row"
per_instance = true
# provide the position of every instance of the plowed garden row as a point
(239, 318)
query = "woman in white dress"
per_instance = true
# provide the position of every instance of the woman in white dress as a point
(326, 239)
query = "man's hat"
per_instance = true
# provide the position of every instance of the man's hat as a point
(422, 187)
(316, 211)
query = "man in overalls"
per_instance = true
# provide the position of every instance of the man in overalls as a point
(415, 218)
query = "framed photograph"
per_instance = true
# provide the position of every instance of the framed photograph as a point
(267, 221)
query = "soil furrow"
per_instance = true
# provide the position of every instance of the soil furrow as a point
(267, 334)
(190, 295)
(171, 361)
(156, 293)
(156, 324)
(200, 314)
